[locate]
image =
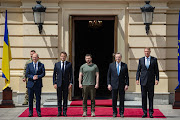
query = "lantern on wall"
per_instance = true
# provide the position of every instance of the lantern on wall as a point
(39, 15)
(147, 15)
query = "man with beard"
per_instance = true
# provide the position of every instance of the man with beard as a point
(89, 82)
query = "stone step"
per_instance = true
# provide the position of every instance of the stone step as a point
(129, 104)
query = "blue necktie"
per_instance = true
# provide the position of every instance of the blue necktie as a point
(118, 69)
(147, 63)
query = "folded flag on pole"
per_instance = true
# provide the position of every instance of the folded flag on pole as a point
(6, 58)
(178, 52)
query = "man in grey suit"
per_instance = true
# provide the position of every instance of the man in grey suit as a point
(118, 80)
(147, 72)
(62, 80)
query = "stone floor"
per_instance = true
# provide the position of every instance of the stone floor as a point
(13, 113)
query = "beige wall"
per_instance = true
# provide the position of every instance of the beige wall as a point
(132, 37)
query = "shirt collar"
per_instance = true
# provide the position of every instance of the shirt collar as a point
(64, 62)
(36, 63)
(148, 57)
(119, 63)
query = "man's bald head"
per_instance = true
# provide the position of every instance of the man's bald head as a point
(35, 57)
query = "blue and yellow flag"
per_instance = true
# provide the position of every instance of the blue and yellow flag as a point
(6, 58)
(178, 52)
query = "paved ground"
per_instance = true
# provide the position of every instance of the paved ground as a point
(13, 113)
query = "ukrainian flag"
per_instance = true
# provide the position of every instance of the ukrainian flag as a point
(178, 52)
(6, 58)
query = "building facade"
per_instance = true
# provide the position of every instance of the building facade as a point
(67, 28)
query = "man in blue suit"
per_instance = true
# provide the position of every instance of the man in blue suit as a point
(148, 73)
(35, 71)
(62, 80)
(118, 81)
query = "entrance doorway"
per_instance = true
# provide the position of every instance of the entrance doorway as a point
(99, 41)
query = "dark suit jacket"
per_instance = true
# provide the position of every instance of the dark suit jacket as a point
(57, 75)
(147, 75)
(113, 79)
(30, 72)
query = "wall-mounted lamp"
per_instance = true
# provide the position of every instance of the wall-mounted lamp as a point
(147, 15)
(39, 14)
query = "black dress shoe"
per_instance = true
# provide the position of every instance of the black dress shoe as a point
(145, 115)
(122, 115)
(39, 115)
(30, 115)
(59, 114)
(64, 114)
(114, 115)
(151, 116)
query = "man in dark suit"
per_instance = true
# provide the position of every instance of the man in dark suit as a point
(62, 80)
(35, 71)
(118, 80)
(147, 72)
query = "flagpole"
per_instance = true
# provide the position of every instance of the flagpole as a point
(7, 93)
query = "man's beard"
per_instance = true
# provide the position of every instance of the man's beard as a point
(89, 62)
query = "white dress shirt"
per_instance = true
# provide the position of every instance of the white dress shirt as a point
(62, 65)
(36, 65)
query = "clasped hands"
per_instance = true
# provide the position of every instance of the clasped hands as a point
(35, 77)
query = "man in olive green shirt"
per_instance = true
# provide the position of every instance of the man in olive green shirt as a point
(89, 81)
(25, 78)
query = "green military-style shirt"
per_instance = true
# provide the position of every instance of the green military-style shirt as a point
(89, 73)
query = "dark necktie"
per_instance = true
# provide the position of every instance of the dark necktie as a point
(63, 68)
(35, 68)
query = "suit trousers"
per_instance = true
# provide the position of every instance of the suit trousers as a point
(37, 92)
(89, 90)
(121, 100)
(62, 92)
(147, 90)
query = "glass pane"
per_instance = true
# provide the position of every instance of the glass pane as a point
(42, 17)
(144, 17)
(37, 17)
(148, 17)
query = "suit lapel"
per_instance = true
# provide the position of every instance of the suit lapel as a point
(66, 65)
(38, 66)
(144, 62)
(121, 68)
(151, 59)
(33, 67)
(60, 65)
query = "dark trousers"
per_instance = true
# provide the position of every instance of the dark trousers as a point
(121, 100)
(62, 92)
(89, 90)
(37, 92)
(147, 90)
